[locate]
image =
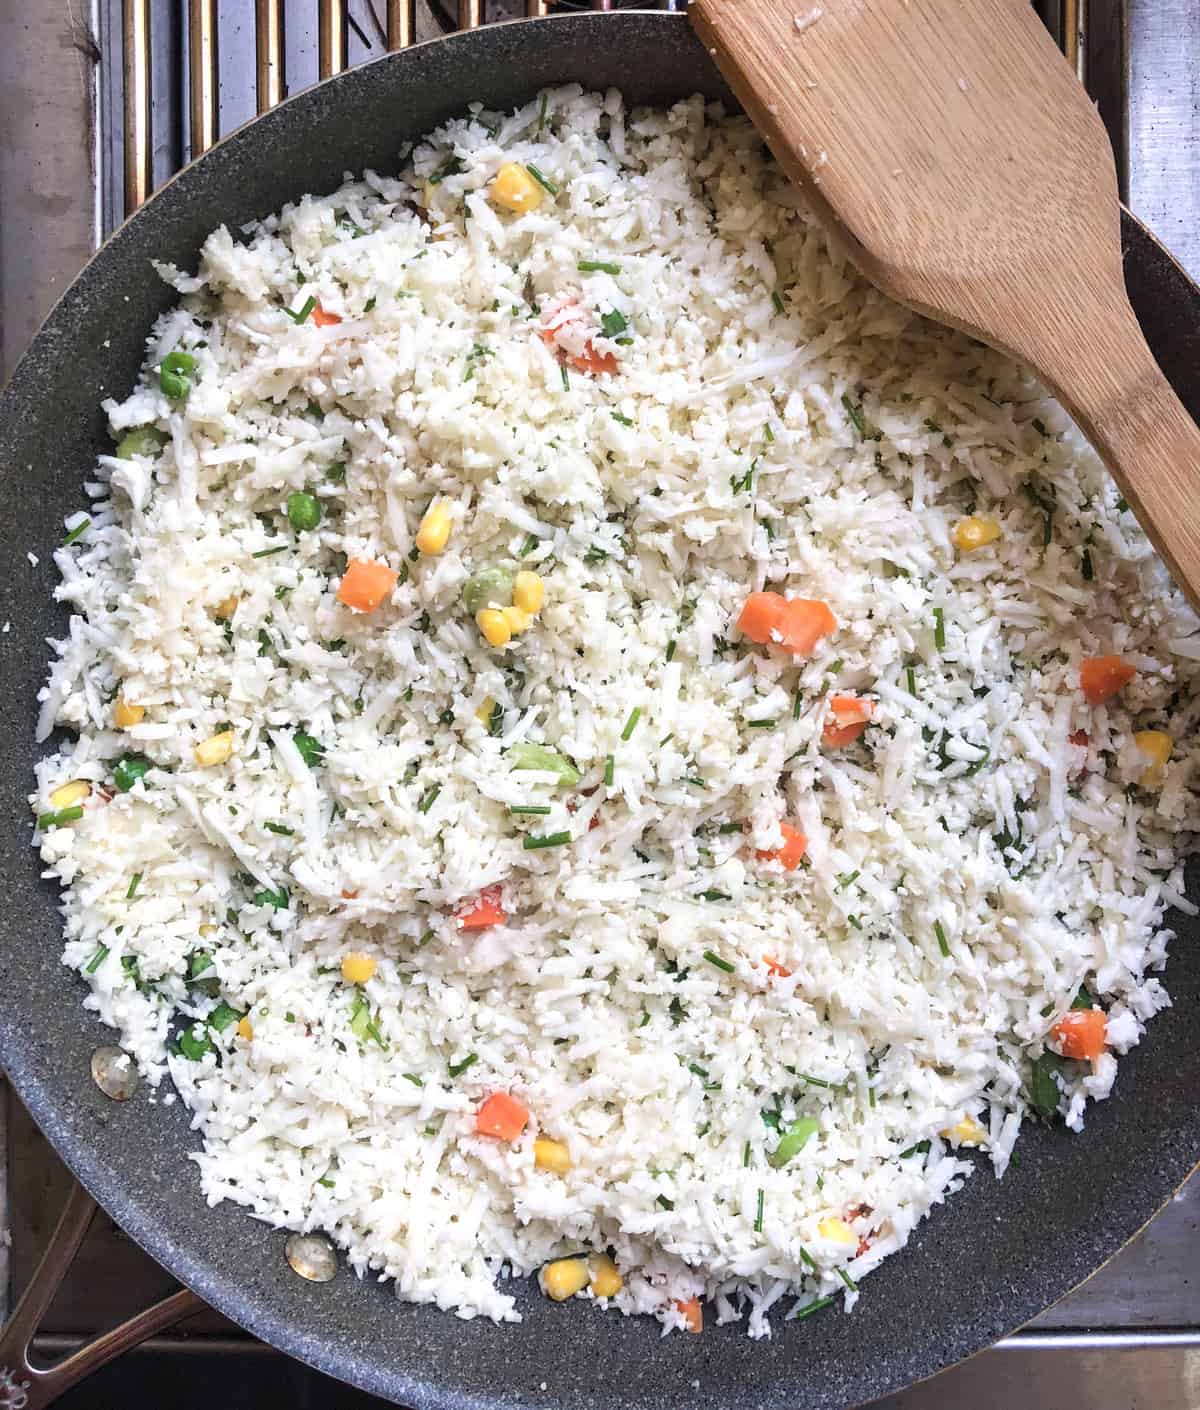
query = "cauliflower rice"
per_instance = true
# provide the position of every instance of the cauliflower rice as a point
(665, 1001)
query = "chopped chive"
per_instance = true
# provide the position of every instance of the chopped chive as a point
(541, 179)
(671, 650)
(1085, 566)
(777, 300)
(855, 922)
(64, 815)
(455, 1069)
(856, 416)
(624, 420)
(761, 724)
(698, 782)
(632, 722)
(665, 1202)
(718, 961)
(910, 677)
(553, 839)
(815, 1081)
(565, 375)
(540, 809)
(797, 706)
(429, 798)
(531, 542)
(1039, 426)
(413, 1078)
(941, 938)
(97, 960)
(808, 1258)
(324, 1180)
(542, 112)
(711, 895)
(280, 828)
(846, 878)
(768, 434)
(727, 828)
(847, 1279)
(610, 765)
(939, 628)
(1122, 506)
(758, 1215)
(597, 266)
(800, 1313)
(871, 1097)
(746, 1156)
(793, 1141)
(426, 938)
(267, 552)
(77, 531)
(306, 308)
(133, 886)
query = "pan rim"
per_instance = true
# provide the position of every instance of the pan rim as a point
(105, 1182)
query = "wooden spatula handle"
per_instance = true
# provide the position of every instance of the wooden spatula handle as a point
(1106, 376)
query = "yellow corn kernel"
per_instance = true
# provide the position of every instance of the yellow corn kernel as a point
(514, 189)
(837, 1230)
(492, 622)
(215, 750)
(565, 1278)
(974, 532)
(1156, 745)
(226, 608)
(358, 968)
(434, 533)
(126, 715)
(517, 620)
(606, 1278)
(70, 795)
(967, 1132)
(244, 1030)
(529, 592)
(551, 1155)
(484, 713)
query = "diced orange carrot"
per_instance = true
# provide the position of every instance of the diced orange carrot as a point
(366, 584)
(589, 360)
(849, 715)
(693, 1313)
(1100, 677)
(775, 969)
(501, 1116)
(796, 623)
(762, 613)
(805, 623)
(323, 319)
(1081, 1033)
(794, 845)
(486, 910)
(349, 895)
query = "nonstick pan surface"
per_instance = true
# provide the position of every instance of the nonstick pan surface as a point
(996, 1255)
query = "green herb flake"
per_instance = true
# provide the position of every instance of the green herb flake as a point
(631, 723)
(941, 939)
(553, 839)
(542, 180)
(61, 817)
(97, 960)
(855, 413)
(305, 309)
(222, 1016)
(613, 323)
(777, 301)
(597, 266)
(429, 798)
(939, 628)
(716, 960)
(793, 1141)
(624, 420)
(77, 531)
(133, 886)
(609, 769)
(535, 809)
(758, 1214)
(456, 1069)
(1085, 566)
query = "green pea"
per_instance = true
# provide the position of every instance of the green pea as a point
(303, 511)
(129, 768)
(793, 1140)
(490, 587)
(173, 374)
(142, 440)
(536, 756)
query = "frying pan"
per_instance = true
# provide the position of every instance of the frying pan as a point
(996, 1255)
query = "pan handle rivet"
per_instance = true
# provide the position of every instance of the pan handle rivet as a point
(312, 1256)
(115, 1073)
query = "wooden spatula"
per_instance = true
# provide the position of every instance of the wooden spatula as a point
(950, 146)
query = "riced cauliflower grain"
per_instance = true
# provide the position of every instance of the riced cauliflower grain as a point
(661, 391)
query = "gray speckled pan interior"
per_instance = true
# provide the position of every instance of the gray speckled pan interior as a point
(995, 1256)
